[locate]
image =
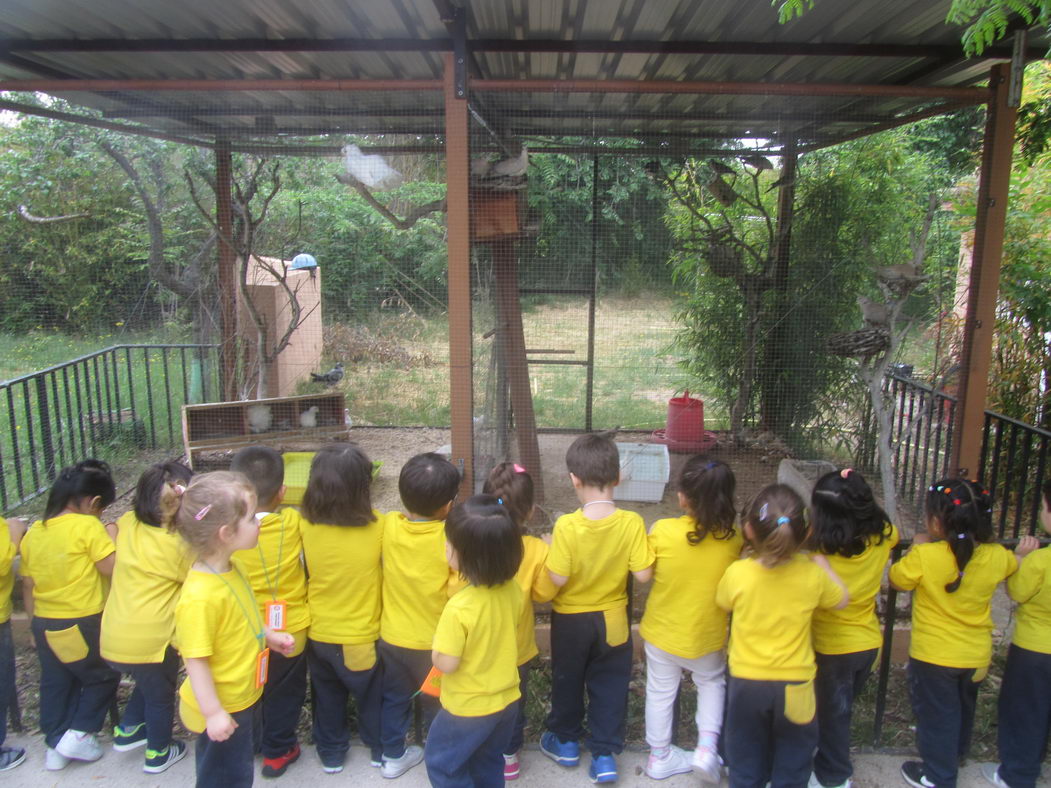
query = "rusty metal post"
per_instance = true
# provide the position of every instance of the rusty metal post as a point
(980, 322)
(227, 270)
(461, 372)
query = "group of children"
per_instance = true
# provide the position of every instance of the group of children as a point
(259, 599)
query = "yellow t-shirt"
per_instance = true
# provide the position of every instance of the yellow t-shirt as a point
(478, 625)
(1030, 587)
(217, 618)
(536, 585)
(274, 568)
(855, 627)
(772, 607)
(952, 630)
(681, 615)
(60, 557)
(7, 574)
(417, 580)
(139, 620)
(343, 564)
(596, 556)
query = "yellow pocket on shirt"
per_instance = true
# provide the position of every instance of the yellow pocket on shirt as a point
(616, 626)
(67, 644)
(800, 703)
(359, 656)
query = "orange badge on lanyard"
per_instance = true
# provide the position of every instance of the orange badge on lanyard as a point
(262, 667)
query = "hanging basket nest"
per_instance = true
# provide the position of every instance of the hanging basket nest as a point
(862, 343)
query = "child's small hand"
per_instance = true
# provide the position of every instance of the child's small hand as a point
(1026, 545)
(546, 538)
(220, 726)
(281, 642)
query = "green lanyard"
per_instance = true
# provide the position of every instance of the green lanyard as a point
(261, 634)
(280, 554)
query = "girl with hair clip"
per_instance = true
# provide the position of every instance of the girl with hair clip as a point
(65, 558)
(512, 485)
(476, 649)
(139, 621)
(954, 569)
(219, 629)
(770, 729)
(852, 531)
(683, 628)
(342, 536)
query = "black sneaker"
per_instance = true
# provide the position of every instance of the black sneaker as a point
(10, 757)
(125, 740)
(158, 761)
(912, 771)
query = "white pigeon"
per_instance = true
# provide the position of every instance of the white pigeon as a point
(372, 171)
(259, 418)
(511, 167)
(308, 418)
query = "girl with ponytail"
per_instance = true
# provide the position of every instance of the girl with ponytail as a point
(954, 569)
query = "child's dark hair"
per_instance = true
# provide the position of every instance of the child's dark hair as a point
(264, 468)
(1045, 488)
(486, 540)
(708, 487)
(964, 510)
(150, 491)
(210, 501)
(427, 482)
(844, 515)
(339, 491)
(513, 486)
(89, 478)
(595, 460)
(776, 519)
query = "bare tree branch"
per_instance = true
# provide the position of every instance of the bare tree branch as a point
(23, 211)
(413, 216)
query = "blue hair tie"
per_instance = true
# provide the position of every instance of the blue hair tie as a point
(500, 501)
(782, 520)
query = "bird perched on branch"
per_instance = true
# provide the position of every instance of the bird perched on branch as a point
(873, 313)
(900, 279)
(757, 161)
(332, 377)
(511, 167)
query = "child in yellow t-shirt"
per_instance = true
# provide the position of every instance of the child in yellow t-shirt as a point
(65, 557)
(11, 533)
(220, 630)
(1025, 695)
(476, 648)
(274, 568)
(417, 582)
(852, 531)
(513, 487)
(342, 536)
(954, 570)
(770, 726)
(592, 551)
(683, 628)
(139, 620)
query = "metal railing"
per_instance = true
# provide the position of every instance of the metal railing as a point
(125, 398)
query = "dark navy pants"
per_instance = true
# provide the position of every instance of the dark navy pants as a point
(404, 670)
(1024, 716)
(230, 763)
(332, 685)
(840, 679)
(762, 744)
(943, 702)
(153, 699)
(467, 752)
(73, 695)
(518, 735)
(283, 697)
(582, 659)
(8, 688)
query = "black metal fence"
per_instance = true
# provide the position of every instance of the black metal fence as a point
(108, 404)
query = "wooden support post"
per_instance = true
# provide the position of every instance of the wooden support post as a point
(980, 322)
(227, 270)
(512, 336)
(461, 377)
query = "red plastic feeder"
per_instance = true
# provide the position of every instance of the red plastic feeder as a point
(684, 431)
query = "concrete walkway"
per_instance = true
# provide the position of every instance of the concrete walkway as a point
(125, 769)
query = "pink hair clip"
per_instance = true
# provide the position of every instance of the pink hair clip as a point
(179, 489)
(200, 515)
(846, 472)
(518, 468)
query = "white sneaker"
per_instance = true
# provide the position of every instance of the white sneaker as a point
(815, 783)
(396, 767)
(675, 761)
(54, 760)
(79, 746)
(991, 773)
(708, 765)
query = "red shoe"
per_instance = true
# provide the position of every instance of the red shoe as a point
(275, 767)
(511, 767)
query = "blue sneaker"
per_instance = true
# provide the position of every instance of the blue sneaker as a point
(603, 769)
(563, 753)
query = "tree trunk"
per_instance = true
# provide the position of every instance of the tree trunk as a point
(744, 391)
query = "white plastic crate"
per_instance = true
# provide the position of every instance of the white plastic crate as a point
(644, 471)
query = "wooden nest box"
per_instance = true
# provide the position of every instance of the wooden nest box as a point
(495, 214)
